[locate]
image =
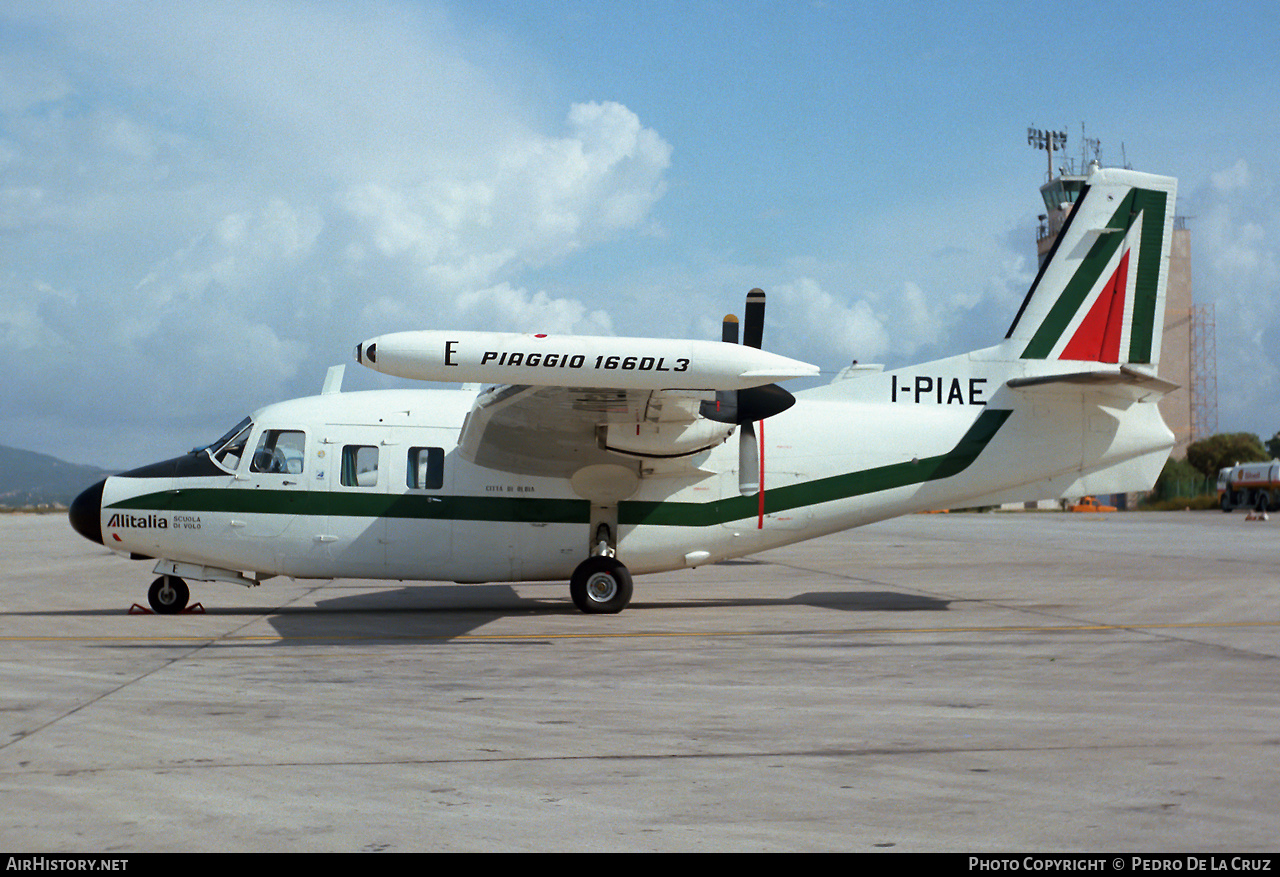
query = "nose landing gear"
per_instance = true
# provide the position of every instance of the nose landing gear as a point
(168, 595)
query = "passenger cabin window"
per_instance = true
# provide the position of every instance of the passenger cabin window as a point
(359, 466)
(426, 468)
(280, 451)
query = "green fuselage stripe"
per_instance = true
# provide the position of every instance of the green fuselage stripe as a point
(850, 484)
(573, 511)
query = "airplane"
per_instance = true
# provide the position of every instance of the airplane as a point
(594, 459)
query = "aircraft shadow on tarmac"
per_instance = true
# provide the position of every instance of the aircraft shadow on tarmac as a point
(443, 612)
(446, 611)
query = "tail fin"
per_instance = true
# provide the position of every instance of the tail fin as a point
(1100, 295)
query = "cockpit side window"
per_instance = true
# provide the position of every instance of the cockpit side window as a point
(280, 451)
(228, 451)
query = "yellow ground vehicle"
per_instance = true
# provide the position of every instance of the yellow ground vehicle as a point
(1090, 504)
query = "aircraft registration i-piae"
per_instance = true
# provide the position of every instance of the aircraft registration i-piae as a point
(593, 459)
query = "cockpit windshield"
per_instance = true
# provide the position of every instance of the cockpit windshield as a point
(229, 450)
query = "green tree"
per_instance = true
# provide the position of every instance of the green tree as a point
(1273, 446)
(1225, 449)
(1179, 478)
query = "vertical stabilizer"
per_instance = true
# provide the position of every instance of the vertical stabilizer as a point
(1100, 295)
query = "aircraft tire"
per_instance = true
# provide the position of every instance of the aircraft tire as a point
(168, 595)
(600, 585)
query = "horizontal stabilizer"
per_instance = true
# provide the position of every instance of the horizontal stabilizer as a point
(1133, 382)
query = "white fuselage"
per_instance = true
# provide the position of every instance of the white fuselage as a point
(938, 435)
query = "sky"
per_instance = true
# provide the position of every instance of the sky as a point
(205, 205)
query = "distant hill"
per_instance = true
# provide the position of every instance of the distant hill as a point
(29, 480)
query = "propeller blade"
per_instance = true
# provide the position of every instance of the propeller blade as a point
(753, 319)
(755, 403)
(725, 408)
(748, 460)
(729, 329)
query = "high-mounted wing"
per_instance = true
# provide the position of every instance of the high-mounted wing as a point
(556, 431)
(559, 403)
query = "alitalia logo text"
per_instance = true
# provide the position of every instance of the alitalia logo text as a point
(139, 522)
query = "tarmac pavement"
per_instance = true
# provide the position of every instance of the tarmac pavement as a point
(984, 682)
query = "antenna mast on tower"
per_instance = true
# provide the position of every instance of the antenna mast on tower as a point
(1049, 141)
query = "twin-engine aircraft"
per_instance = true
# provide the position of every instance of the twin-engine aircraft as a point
(590, 459)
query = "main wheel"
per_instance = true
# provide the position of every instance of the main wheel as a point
(168, 595)
(600, 585)
(1227, 505)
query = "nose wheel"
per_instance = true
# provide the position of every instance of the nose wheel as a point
(168, 595)
(600, 585)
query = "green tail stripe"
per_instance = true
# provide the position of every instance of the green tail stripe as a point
(1153, 206)
(1138, 201)
(1077, 288)
(576, 511)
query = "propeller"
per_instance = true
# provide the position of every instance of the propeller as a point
(745, 407)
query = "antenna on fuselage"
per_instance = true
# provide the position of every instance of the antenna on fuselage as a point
(333, 380)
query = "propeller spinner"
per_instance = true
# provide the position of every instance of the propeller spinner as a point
(745, 407)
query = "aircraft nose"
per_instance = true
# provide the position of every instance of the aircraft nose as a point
(86, 513)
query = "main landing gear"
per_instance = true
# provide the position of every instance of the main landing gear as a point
(600, 584)
(168, 595)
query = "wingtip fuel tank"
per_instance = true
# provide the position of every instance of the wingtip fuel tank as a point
(576, 360)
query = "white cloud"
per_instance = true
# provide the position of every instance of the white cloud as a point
(540, 199)
(1234, 177)
(226, 197)
(28, 326)
(831, 332)
(503, 307)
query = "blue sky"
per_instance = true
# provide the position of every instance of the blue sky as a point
(202, 205)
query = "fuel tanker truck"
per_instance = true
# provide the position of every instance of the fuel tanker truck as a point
(1250, 486)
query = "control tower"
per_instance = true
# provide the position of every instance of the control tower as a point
(1060, 195)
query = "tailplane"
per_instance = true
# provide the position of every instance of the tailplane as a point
(1100, 294)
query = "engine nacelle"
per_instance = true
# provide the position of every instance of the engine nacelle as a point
(662, 439)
